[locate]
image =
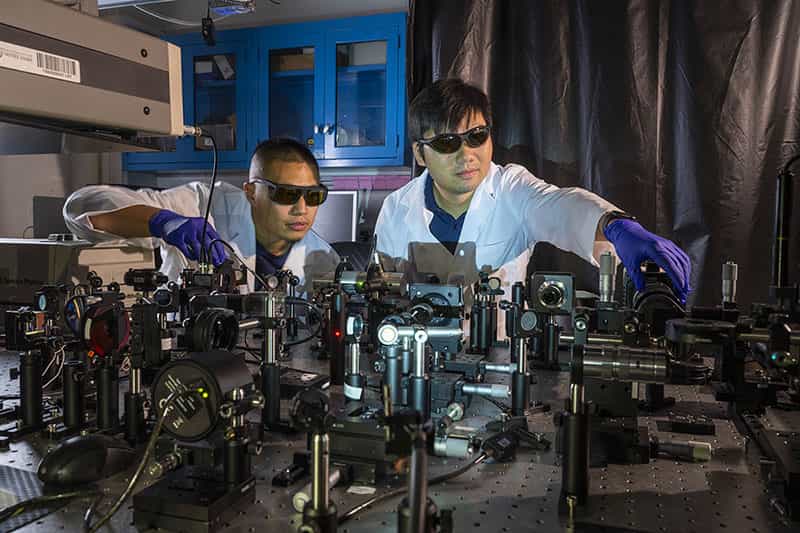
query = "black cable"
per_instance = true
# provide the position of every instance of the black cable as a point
(206, 254)
(87, 516)
(241, 261)
(500, 405)
(151, 445)
(397, 492)
(311, 307)
(21, 507)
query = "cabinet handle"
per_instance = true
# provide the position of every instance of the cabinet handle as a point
(327, 129)
(316, 129)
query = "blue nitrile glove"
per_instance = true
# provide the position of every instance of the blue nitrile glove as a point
(186, 233)
(635, 245)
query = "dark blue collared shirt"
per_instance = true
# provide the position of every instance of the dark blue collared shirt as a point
(444, 226)
(266, 263)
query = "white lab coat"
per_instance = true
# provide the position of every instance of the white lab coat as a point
(230, 216)
(510, 212)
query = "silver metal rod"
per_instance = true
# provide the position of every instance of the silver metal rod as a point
(303, 496)
(320, 474)
(608, 268)
(136, 380)
(592, 339)
(730, 274)
(271, 334)
(492, 390)
(498, 368)
(250, 323)
(420, 338)
(576, 397)
(522, 356)
(764, 337)
(355, 358)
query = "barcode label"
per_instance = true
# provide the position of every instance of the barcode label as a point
(24, 59)
(58, 65)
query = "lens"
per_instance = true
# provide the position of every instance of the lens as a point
(477, 137)
(285, 196)
(551, 295)
(446, 144)
(316, 197)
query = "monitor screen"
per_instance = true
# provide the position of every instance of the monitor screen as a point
(337, 217)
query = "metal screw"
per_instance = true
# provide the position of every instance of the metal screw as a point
(146, 110)
(144, 52)
(630, 328)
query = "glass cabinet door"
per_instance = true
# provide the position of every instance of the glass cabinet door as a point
(361, 113)
(220, 87)
(291, 95)
(214, 80)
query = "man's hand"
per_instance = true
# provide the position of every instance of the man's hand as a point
(634, 245)
(186, 233)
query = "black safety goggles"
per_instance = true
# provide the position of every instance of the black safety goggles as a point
(289, 194)
(449, 143)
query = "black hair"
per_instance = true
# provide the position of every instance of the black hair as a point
(443, 105)
(285, 149)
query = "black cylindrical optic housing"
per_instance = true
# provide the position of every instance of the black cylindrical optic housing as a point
(575, 471)
(236, 462)
(107, 381)
(214, 376)
(335, 337)
(270, 388)
(419, 395)
(552, 332)
(73, 376)
(30, 388)
(393, 374)
(134, 418)
(520, 392)
(480, 325)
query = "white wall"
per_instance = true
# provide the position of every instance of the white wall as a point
(24, 176)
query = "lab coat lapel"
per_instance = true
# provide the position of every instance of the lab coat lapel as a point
(418, 218)
(480, 209)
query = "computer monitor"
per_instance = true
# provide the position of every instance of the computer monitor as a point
(337, 217)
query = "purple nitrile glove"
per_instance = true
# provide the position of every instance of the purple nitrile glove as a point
(186, 233)
(634, 245)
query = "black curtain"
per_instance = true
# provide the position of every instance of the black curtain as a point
(681, 113)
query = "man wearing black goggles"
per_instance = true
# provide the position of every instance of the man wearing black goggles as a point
(450, 143)
(267, 225)
(463, 204)
(313, 195)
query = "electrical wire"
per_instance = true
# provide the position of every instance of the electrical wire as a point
(311, 307)
(176, 21)
(205, 254)
(398, 492)
(239, 259)
(151, 445)
(58, 372)
(50, 363)
(23, 506)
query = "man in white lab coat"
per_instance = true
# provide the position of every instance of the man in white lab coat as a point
(267, 222)
(465, 213)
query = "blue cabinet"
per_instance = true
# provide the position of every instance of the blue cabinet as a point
(337, 85)
(219, 86)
